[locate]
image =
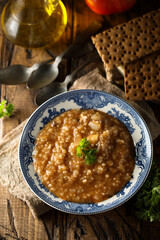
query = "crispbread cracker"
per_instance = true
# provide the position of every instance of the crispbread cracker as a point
(142, 78)
(129, 41)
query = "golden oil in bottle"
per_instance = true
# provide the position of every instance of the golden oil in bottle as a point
(34, 23)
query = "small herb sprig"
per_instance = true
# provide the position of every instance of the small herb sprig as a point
(85, 150)
(6, 109)
(148, 198)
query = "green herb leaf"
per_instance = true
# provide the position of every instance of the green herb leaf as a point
(89, 153)
(148, 198)
(79, 153)
(6, 109)
(84, 143)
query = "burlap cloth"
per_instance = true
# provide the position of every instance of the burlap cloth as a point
(10, 173)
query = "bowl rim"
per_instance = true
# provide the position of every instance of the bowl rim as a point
(96, 211)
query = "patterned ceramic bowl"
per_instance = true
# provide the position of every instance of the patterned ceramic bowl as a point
(87, 99)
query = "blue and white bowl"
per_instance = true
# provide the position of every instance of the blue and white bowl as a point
(87, 99)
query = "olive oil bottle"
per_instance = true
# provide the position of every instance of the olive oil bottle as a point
(34, 23)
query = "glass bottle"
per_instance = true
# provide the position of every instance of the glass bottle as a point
(34, 23)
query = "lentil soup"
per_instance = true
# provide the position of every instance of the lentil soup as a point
(67, 175)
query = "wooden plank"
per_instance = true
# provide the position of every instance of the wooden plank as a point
(22, 100)
(82, 17)
(17, 221)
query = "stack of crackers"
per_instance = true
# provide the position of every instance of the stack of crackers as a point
(134, 47)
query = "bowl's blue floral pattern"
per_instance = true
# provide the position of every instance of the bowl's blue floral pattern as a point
(87, 99)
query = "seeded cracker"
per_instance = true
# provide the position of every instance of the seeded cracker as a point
(142, 78)
(129, 41)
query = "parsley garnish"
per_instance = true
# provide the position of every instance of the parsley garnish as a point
(148, 198)
(84, 149)
(6, 109)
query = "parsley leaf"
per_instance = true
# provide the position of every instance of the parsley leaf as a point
(79, 153)
(84, 149)
(148, 198)
(6, 109)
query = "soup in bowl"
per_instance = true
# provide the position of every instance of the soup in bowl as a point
(85, 151)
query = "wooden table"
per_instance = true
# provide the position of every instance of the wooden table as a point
(16, 220)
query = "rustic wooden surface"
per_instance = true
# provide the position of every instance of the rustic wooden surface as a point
(16, 220)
